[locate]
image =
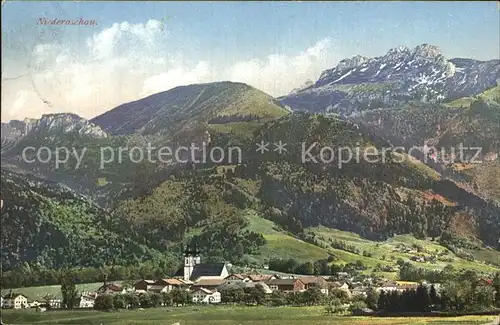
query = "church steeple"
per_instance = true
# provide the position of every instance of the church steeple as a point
(191, 259)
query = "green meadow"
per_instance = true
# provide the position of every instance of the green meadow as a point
(222, 315)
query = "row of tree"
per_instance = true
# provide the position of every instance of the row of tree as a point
(319, 267)
(175, 297)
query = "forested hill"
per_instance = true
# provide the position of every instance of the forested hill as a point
(158, 208)
(48, 225)
(376, 200)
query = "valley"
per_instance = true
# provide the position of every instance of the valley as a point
(404, 217)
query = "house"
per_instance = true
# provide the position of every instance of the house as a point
(202, 295)
(48, 301)
(144, 285)
(286, 285)
(360, 291)
(235, 277)
(110, 288)
(87, 301)
(407, 286)
(194, 269)
(187, 283)
(387, 286)
(340, 285)
(310, 281)
(15, 300)
(263, 285)
(261, 277)
(167, 285)
(207, 283)
(34, 304)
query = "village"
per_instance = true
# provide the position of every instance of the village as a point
(206, 284)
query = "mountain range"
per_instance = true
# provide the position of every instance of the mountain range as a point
(246, 212)
(402, 74)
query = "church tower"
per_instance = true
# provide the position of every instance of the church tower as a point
(196, 254)
(189, 263)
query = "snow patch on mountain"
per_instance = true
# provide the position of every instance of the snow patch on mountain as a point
(402, 74)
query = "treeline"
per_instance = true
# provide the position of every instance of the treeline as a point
(463, 295)
(319, 267)
(175, 297)
(27, 276)
(409, 272)
(234, 294)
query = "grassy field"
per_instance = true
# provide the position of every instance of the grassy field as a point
(221, 315)
(389, 251)
(283, 245)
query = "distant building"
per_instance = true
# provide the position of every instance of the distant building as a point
(193, 268)
(15, 300)
(311, 281)
(144, 285)
(203, 295)
(87, 301)
(286, 285)
(110, 288)
(261, 277)
(232, 278)
(262, 285)
(167, 285)
(208, 283)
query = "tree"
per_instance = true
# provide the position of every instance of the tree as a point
(434, 296)
(254, 295)
(306, 268)
(277, 298)
(104, 302)
(456, 295)
(357, 305)
(484, 297)
(119, 301)
(371, 299)
(383, 301)
(167, 299)
(145, 300)
(496, 286)
(334, 306)
(181, 297)
(68, 290)
(422, 298)
(156, 299)
(312, 296)
(340, 294)
(131, 301)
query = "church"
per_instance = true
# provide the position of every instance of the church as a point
(193, 269)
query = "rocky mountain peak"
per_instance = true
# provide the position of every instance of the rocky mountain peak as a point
(48, 125)
(353, 62)
(402, 74)
(427, 51)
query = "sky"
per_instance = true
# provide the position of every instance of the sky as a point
(140, 48)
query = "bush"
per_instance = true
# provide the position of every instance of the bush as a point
(104, 302)
(357, 305)
(119, 301)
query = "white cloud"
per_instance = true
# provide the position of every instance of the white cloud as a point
(128, 61)
(178, 76)
(279, 74)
